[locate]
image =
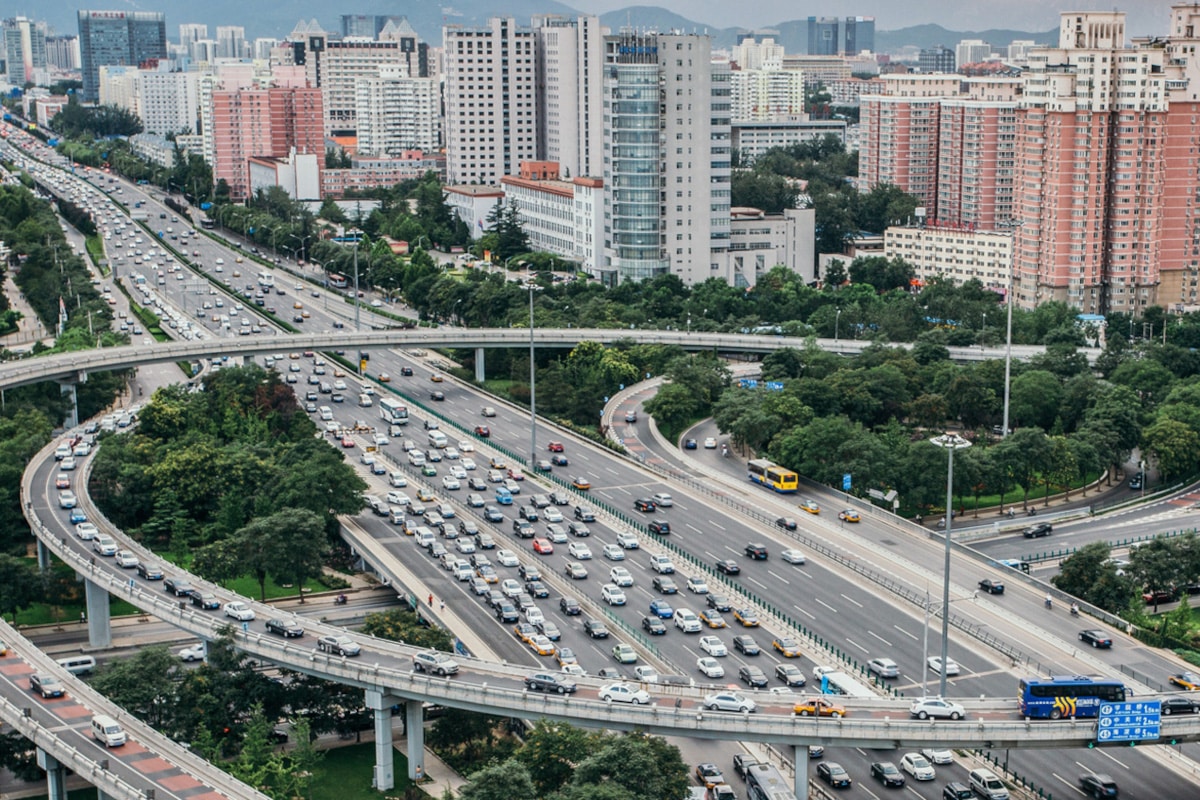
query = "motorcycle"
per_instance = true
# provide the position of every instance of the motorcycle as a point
(341, 600)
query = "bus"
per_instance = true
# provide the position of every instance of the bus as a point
(1061, 696)
(773, 476)
(266, 280)
(838, 682)
(1014, 563)
(393, 411)
(205, 222)
(764, 782)
(337, 281)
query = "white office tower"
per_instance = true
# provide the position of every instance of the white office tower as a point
(231, 41)
(24, 50)
(571, 58)
(666, 152)
(396, 113)
(765, 95)
(190, 33)
(168, 102)
(751, 54)
(491, 100)
(262, 48)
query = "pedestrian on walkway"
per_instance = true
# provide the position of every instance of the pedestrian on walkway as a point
(442, 607)
(431, 599)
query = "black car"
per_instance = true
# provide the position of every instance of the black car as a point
(690, 444)
(46, 685)
(492, 514)
(644, 504)
(523, 529)
(728, 566)
(507, 612)
(660, 526)
(834, 774)
(595, 629)
(887, 773)
(406, 372)
(549, 682)
(991, 587)
(560, 498)
(206, 600)
(177, 586)
(742, 764)
(439, 396)
(790, 674)
(570, 606)
(149, 571)
(1179, 705)
(957, 791)
(718, 601)
(578, 529)
(787, 523)
(1035, 531)
(1095, 637)
(559, 460)
(654, 626)
(753, 677)
(584, 514)
(746, 645)
(279, 627)
(537, 588)
(757, 552)
(664, 585)
(1098, 786)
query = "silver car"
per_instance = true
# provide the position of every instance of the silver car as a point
(729, 701)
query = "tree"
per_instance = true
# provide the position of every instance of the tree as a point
(1090, 574)
(143, 684)
(645, 767)
(288, 545)
(20, 584)
(504, 781)
(1164, 563)
(1174, 447)
(1035, 399)
(504, 222)
(551, 752)
(402, 625)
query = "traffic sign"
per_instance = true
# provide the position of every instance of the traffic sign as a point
(1129, 722)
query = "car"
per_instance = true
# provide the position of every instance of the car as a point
(536, 588)
(935, 664)
(613, 553)
(886, 773)
(524, 530)
(662, 564)
(661, 609)
(1096, 638)
(483, 431)
(1179, 705)
(659, 526)
(528, 513)
(729, 701)
(992, 586)
(627, 541)
(624, 693)
(663, 500)
(664, 585)
(938, 755)
(555, 447)
(450, 483)
(581, 483)
(570, 606)
(713, 646)
(578, 529)
(595, 629)
(792, 556)
(576, 571)
(624, 654)
(1038, 530)
(195, 652)
(709, 775)
(564, 656)
(697, 585)
(936, 707)
(746, 617)
(848, 515)
(712, 618)
(689, 444)
(488, 411)
(710, 667)
(553, 515)
(339, 644)
(818, 707)
(1098, 785)
(584, 514)
(1185, 680)
(550, 682)
(87, 531)
(620, 576)
(644, 504)
(542, 546)
(654, 626)
(710, 443)
(541, 644)
(834, 774)
(66, 499)
(204, 599)
(149, 572)
(506, 557)
(239, 611)
(790, 674)
(612, 595)
(756, 551)
(62, 481)
(957, 791)
(786, 646)
(579, 551)
(179, 587)
(434, 662)
(560, 498)
(883, 667)
(493, 514)
(530, 572)
(727, 566)
(281, 627)
(631, 416)
(46, 685)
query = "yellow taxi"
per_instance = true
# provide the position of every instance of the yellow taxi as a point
(582, 484)
(425, 496)
(436, 378)
(818, 707)
(712, 619)
(746, 616)
(848, 515)
(787, 646)
(1185, 680)
(542, 646)
(810, 506)
(525, 632)
(297, 304)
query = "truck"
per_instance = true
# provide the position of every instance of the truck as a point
(764, 782)
(139, 216)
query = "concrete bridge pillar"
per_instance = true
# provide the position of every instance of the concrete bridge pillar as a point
(56, 775)
(73, 411)
(479, 364)
(43, 556)
(99, 629)
(384, 777)
(414, 731)
(800, 777)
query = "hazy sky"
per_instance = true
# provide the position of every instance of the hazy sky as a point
(1143, 16)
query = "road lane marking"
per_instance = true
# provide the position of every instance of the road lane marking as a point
(778, 577)
(906, 633)
(856, 644)
(765, 588)
(1113, 759)
(880, 638)
(1068, 783)
(822, 602)
(805, 613)
(852, 600)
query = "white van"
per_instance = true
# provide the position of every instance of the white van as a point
(437, 439)
(985, 784)
(107, 731)
(78, 665)
(326, 413)
(364, 400)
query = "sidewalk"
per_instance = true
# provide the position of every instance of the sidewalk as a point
(29, 328)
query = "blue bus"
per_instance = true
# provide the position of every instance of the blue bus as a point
(1061, 696)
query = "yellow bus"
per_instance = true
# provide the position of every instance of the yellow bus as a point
(773, 476)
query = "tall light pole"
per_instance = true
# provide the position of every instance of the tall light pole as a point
(950, 442)
(357, 233)
(1012, 269)
(533, 287)
(837, 320)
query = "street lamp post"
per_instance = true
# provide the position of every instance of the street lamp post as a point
(533, 287)
(983, 334)
(950, 442)
(1012, 268)
(837, 319)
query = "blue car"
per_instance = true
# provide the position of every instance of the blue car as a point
(662, 609)
(77, 516)
(504, 497)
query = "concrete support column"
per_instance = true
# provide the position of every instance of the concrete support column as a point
(479, 364)
(99, 629)
(414, 732)
(56, 775)
(100, 795)
(800, 778)
(73, 411)
(43, 555)
(384, 777)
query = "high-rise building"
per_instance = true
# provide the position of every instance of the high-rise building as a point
(62, 52)
(767, 94)
(166, 101)
(396, 113)
(830, 36)
(118, 38)
(570, 106)
(666, 157)
(231, 41)
(368, 26)
(491, 91)
(190, 32)
(751, 54)
(971, 51)
(858, 35)
(936, 59)
(24, 50)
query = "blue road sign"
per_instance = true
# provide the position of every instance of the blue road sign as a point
(748, 383)
(1129, 722)
(846, 482)
(775, 386)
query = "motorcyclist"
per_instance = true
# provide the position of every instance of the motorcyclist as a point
(1049, 601)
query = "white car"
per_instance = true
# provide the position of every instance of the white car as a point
(579, 551)
(574, 670)
(792, 556)
(506, 558)
(511, 588)
(458, 472)
(925, 707)
(686, 620)
(620, 576)
(935, 664)
(239, 611)
(450, 483)
(662, 499)
(534, 616)
(612, 595)
(464, 545)
(710, 667)
(729, 701)
(713, 646)
(646, 674)
(624, 693)
(195, 652)
(552, 514)
(466, 446)
(662, 565)
(381, 439)
(938, 756)
(613, 553)
(916, 765)
(451, 454)
(126, 559)
(628, 541)
(87, 531)
(469, 464)
(398, 499)
(105, 545)
(697, 585)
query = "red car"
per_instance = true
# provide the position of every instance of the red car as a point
(555, 447)
(347, 442)
(543, 547)
(516, 474)
(482, 430)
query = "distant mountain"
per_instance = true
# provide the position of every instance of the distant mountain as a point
(924, 36)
